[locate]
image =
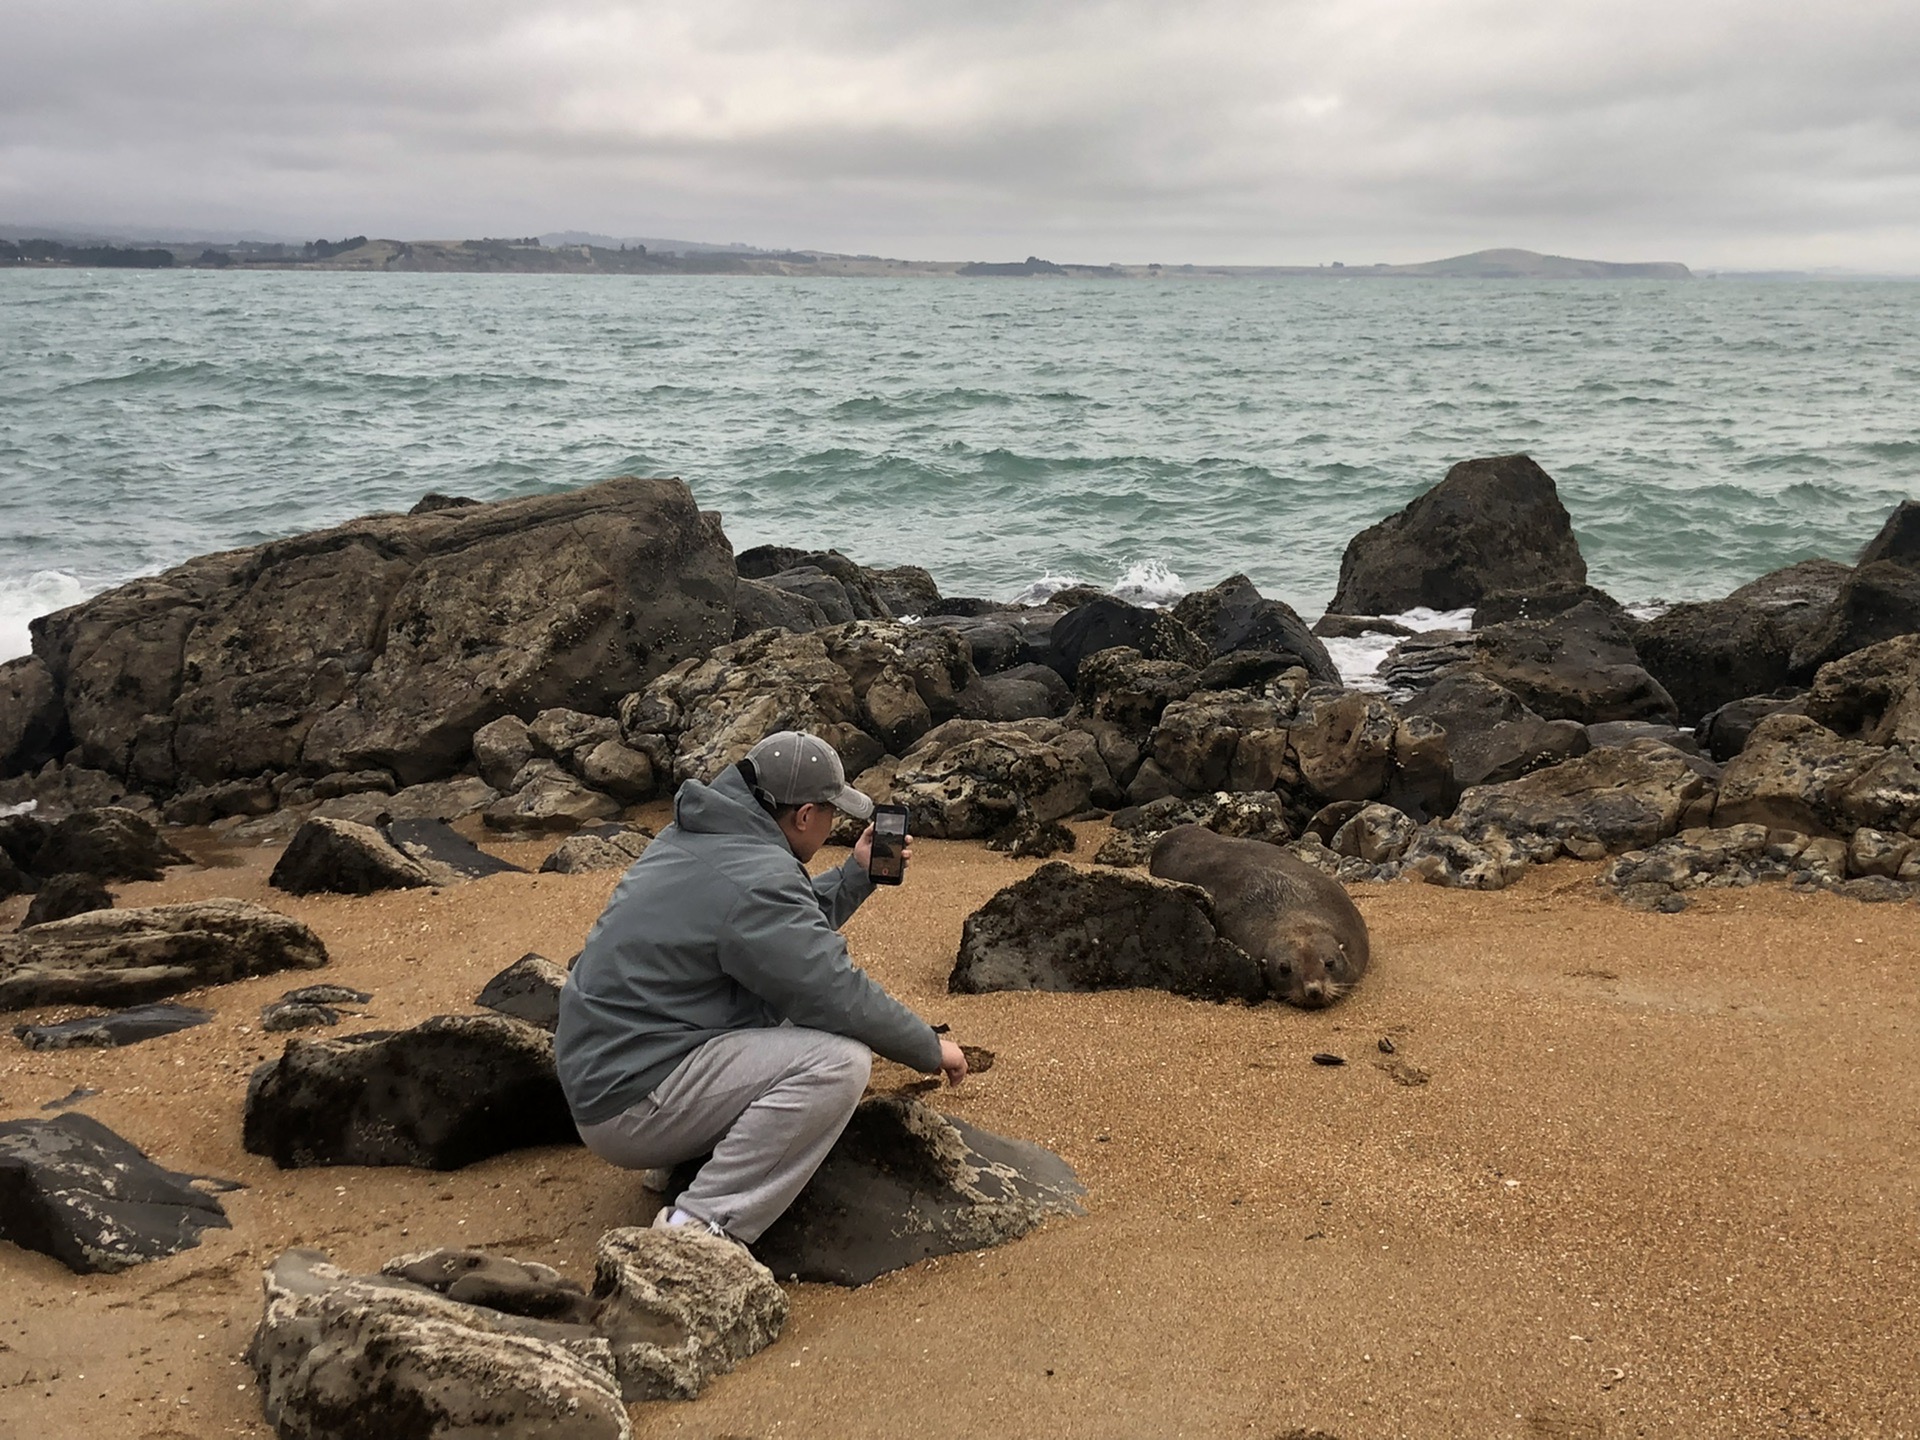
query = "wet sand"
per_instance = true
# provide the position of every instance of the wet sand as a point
(1621, 1175)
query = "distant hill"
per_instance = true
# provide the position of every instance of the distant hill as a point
(586, 252)
(1526, 265)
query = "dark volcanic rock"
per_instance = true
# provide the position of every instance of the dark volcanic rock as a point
(125, 956)
(106, 1032)
(1233, 616)
(65, 896)
(1798, 596)
(1024, 692)
(339, 857)
(529, 990)
(1540, 604)
(969, 779)
(72, 1189)
(1711, 654)
(32, 722)
(113, 843)
(1795, 774)
(1724, 731)
(1872, 695)
(1878, 602)
(1107, 623)
(1491, 524)
(905, 1183)
(1609, 800)
(1082, 930)
(1898, 540)
(1579, 665)
(452, 1090)
(1491, 736)
(385, 643)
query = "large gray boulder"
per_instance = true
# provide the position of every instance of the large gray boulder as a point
(1898, 540)
(73, 1189)
(1083, 930)
(905, 1183)
(122, 957)
(341, 858)
(1709, 654)
(1578, 665)
(1795, 774)
(679, 1307)
(32, 720)
(1108, 623)
(386, 642)
(1797, 596)
(868, 688)
(341, 1356)
(1872, 695)
(1879, 601)
(452, 1090)
(1233, 617)
(970, 779)
(1491, 524)
(1607, 801)
(1491, 736)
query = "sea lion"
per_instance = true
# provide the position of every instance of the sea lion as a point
(1297, 922)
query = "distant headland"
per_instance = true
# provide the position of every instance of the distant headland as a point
(602, 255)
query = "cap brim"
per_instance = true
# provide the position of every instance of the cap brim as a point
(853, 803)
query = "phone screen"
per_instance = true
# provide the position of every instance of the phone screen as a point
(887, 864)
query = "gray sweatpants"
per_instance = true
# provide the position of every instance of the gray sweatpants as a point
(768, 1103)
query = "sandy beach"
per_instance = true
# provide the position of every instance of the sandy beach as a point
(1621, 1175)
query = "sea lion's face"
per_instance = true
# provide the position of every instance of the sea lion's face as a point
(1309, 969)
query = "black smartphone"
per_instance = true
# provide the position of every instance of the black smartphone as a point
(887, 862)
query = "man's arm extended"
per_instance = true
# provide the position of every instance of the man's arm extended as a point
(784, 951)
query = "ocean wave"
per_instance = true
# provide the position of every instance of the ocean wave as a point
(40, 593)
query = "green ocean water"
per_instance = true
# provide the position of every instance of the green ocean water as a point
(996, 432)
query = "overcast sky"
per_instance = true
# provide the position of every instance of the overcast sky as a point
(1741, 133)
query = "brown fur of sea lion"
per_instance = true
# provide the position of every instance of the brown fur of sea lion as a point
(1297, 922)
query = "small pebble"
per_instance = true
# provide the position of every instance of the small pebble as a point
(1386, 1046)
(1322, 1057)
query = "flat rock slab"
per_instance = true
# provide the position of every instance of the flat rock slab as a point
(110, 957)
(73, 1189)
(1083, 930)
(447, 856)
(105, 1032)
(905, 1183)
(452, 1090)
(529, 990)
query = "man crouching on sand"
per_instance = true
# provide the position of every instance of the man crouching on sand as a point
(714, 1006)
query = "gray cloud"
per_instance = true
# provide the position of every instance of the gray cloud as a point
(1717, 132)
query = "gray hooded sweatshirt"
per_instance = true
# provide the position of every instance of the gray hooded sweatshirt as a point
(717, 927)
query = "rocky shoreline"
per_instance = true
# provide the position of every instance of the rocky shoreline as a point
(547, 663)
(387, 704)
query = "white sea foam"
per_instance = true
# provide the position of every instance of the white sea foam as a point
(25, 807)
(1151, 583)
(1358, 659)
(40, 593)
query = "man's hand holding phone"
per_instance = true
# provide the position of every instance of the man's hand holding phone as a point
(885, 847)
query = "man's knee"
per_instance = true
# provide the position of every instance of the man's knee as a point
(848, 1063)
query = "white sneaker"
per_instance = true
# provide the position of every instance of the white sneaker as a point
(692, 1224)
